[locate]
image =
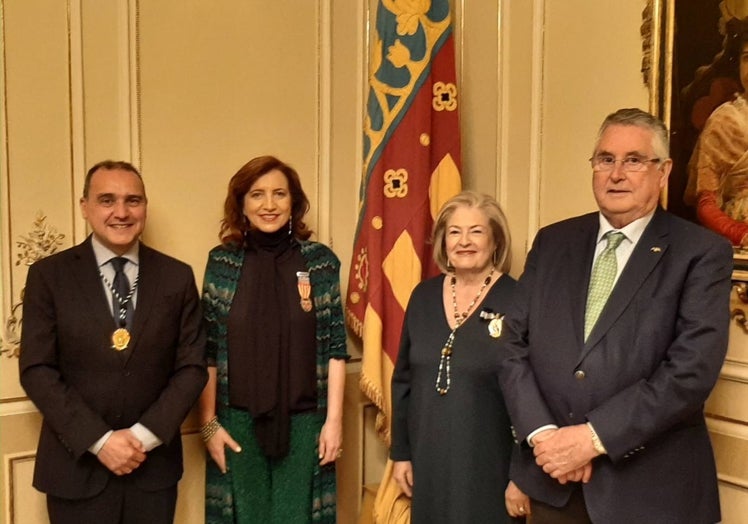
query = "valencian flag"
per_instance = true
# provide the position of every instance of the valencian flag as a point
(411, 167)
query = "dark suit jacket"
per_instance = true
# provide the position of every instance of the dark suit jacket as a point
(642, 376)
(84, 388)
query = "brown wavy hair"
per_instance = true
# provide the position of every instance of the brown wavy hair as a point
(234, 225)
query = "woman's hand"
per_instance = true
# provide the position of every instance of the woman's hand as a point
(517, 503)
(216, 447)
(402, 472)
(330, 441)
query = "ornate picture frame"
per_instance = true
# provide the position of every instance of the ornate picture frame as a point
(683, 39)
(687, 66)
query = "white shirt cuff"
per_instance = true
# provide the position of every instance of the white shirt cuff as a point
(145, 436)
(96, 446)
(541, 428)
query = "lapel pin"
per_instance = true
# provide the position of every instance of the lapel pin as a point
(655, 249)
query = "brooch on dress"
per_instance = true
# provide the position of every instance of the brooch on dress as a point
(496, 322)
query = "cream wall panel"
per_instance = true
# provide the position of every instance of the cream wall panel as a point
(222, 82)
(107, 80)
(494, 46)
(731, 454)
(19, 434)
(347, 91)
(517, 26)
(479, 77)
(592, 59)
(734, 500)
(191, 497)
(37, 173)
(728, 397)
(38, 116)
(28, 505)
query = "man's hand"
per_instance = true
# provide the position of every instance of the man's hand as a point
(122, 453)
(566, 454)
(583, 474)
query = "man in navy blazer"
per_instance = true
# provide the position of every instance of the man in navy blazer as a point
(611, 422)
(113, 374)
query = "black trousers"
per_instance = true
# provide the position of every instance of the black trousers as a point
(575, 511)
(121, 502)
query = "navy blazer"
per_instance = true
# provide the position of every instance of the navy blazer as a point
(642, 376)
(84, 388)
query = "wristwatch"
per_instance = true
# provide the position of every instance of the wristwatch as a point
(596, 442)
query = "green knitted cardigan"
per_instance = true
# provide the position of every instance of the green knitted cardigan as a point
(221, 279)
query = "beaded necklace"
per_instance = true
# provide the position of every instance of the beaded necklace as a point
(444, 375)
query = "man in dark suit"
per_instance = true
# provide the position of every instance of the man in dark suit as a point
(617, 336)
(112, 354)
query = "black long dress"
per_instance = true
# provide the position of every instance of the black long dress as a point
(459, 443)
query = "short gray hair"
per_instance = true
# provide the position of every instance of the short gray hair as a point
(637, 117)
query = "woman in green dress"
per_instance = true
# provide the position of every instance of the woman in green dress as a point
(271, 413)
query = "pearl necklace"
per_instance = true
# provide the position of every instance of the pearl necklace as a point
(444, 375)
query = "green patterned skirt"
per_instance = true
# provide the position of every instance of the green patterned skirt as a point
(256, 489)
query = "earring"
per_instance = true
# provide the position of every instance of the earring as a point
(290, 226)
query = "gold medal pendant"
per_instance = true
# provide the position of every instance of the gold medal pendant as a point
(305, 289)
(495, 326)
(120, 339)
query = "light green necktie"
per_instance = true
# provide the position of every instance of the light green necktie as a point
(601, 281)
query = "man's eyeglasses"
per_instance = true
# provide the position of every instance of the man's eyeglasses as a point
(630, 164)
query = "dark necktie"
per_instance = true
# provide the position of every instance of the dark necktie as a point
(121, 299)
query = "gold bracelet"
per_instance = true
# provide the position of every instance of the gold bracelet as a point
(209, 429)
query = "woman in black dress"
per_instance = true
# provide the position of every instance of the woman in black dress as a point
(451, 435)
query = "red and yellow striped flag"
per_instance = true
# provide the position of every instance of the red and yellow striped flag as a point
(411, 167)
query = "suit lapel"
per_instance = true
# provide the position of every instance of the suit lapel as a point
(149, 282)
(583, 246)
(646, 255)
(86, 274)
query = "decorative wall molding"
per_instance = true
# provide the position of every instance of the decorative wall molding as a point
(731, 438)
(129, 20)
(5, 236)
(536, 119)
(732, 480)
(43, 240)
(324, 120)
(503, 123)
(10, 407)
(741, 291)
(12, 462)
(735, 371)
(77, 111)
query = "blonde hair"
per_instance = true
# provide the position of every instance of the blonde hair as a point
(502, 255)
